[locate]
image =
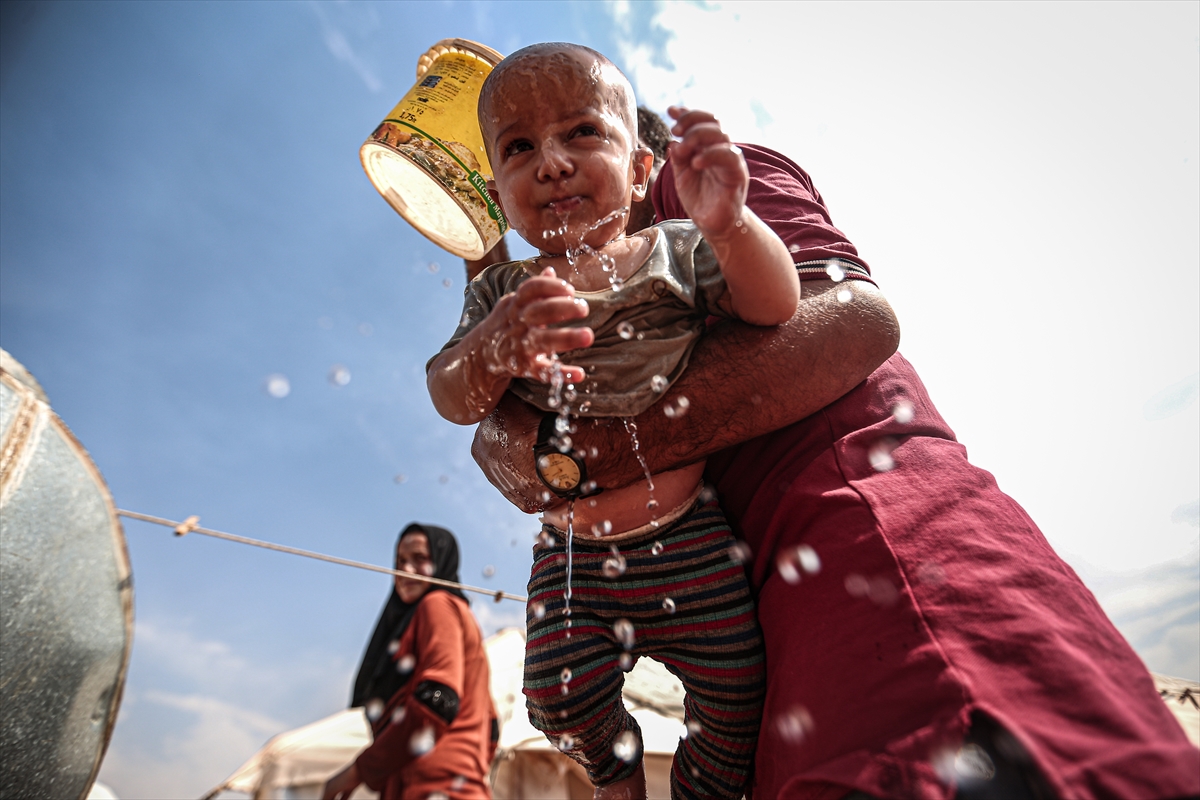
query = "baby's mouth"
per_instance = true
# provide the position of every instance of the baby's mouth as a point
(565, 205)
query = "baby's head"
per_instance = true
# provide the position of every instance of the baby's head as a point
(559, 123)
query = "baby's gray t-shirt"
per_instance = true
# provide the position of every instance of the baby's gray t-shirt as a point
(666, 302)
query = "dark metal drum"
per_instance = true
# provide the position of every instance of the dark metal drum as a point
(66, 600)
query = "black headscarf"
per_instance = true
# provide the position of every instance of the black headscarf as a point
(377, 675)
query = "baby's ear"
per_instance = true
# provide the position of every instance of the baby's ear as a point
(495, 195)
(643, 167)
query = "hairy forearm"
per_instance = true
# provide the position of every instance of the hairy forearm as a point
(797, 369)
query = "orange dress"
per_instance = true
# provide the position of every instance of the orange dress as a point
(416, 753)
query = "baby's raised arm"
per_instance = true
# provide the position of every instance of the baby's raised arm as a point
(711, 179)
(515, 340)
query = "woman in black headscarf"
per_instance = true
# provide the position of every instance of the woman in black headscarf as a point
(424, 684)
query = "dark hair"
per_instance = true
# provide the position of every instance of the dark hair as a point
(653, 133)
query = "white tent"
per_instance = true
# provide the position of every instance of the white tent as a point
(295, 765)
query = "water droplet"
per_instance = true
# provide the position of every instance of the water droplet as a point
(810, 562)
(623, 631)
(546, 538)
(882, 591)
(668, 605)
(393, 646)
(844, 295)
(627, 747)
(902, 412)
(545, 496)
(857, 585)
(539, 610)
(443, 479)
(365, 329)
(602, 528)
(880, 456)
(677, 407)
(422, 742)
(739, 552)
(651, 504)
(374, 709)
(787, 569)
(793, 248)
(836, 274)
(565, 675)
(707, 495)
(457, 784)
(640, 336)
(931, 572)
(447, 283)
(693, 729)
(562, 424)
(614, 566)
(564, 689)
(566, 743)
(658, 383)
(625, 330)
(277, 385)
(656, 549)
(563, 443)
(625, 662)
(795, 724)
(434, 266)
(489, 571)
(398, 714)
(589, 487)
(325, 322)
(400, 478)
(406, 663)
(339, 375)
(972, 763)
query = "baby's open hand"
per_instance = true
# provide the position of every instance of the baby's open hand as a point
(520, 341)
(710, 173)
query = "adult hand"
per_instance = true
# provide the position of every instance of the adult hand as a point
(711, 177)
(343, 784)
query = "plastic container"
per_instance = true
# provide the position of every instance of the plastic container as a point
(427, 157)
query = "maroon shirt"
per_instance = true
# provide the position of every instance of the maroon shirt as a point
(936, 597)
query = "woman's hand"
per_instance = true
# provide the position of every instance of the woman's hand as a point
(711, 177)
(343, 784)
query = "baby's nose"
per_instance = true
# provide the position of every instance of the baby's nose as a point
(555, 163)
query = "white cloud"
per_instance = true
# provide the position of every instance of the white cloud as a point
(334, 21)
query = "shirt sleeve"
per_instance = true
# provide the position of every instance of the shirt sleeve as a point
(415, 728)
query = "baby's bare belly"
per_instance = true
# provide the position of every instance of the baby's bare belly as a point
(628, 507)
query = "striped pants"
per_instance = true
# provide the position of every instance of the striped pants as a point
(682, 599)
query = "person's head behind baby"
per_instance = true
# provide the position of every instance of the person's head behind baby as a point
(559, 122)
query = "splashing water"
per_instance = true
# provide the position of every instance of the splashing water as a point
(434, 267)
(570, 545)
(405, 664)
(539, 610)
(422, 741)
(677, 407)
(489, 571)
(903, 412)
(623, 631)
(631, 429)
(398, 714)
(845, 295)
(393, 646)
(278, 385)
(567, 743)
(880, 456)
(625, 662)
(795, 724)
(739, 552)
(339, 375)
(656, 549)
(625, 330)
(602, 528)
(693, 729)
(626, 747)
(565, 676)
(545, 538)
(668, 605)
(374, 709)
(835, 273)
(614, 565)
(658, 384)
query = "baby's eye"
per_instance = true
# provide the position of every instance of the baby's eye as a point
(518, 146)
(586, 130)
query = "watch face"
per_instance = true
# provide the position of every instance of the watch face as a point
(559, 471)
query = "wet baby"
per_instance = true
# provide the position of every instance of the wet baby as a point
(650, 571)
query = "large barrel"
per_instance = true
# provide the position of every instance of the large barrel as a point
(66, 600)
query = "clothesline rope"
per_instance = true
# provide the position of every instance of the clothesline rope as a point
(189, 525)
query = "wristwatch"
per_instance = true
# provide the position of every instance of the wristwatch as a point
(564, 473)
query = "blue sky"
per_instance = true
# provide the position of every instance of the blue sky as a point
(183, 214)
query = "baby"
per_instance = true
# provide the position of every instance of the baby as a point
(654, 574)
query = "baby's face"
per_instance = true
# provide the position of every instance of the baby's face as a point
(561, 152)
